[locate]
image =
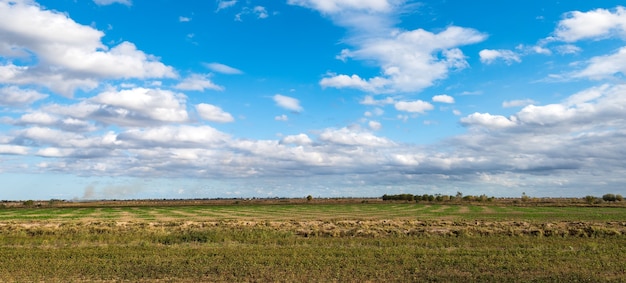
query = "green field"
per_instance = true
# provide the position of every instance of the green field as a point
(355, 242)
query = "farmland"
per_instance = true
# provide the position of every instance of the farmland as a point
(317, 241)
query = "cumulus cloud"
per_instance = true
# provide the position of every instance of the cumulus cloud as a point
(129, 107)
(346, 136)
(489, 56)
(65, 55)
(300, 139)
(287, 102)
(487, 120)
(517, 103)
(198, 82)
(598, 104)
(595, 24)
(15, 96)
(410, 60)
(213, 113)
(224, 69)
(13, 149)
(443, 98)
(602, 67)
(417, 106)
(174, 136)
(374, 125)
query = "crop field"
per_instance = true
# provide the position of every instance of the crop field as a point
(313, 242)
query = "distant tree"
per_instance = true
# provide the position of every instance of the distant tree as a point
(609, 197)
(590, 199)
(309, 198)
(525, 198)
(482, 198)
(28, 203)
(459, 196)
(468, 198)
(619, 198)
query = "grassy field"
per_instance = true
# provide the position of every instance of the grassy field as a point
(351, 242)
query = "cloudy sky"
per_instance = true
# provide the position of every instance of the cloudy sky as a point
(263, 98)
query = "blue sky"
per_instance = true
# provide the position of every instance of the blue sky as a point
(193, 99)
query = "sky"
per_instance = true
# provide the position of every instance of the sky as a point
(129, 99)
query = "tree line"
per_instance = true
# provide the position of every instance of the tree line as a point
(437, 197)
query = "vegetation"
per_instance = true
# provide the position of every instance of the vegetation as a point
(312, 241)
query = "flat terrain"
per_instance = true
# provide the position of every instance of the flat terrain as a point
(316, 241)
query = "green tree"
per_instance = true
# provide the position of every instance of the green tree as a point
(609, 197)
(309, 198)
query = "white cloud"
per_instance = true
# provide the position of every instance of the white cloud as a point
(595, 24)
(109, 2)
(602, 67)
(14, 96)
(184, 19)
(287, 102)
(300, 139)
(174, 136)
(374, 125)
(593, 106)
(376, 112)
(135, 107)
(260, 12)
(223, 4)
(487, 120)
(39, 118)
(345, 136)
(68, 56)
(335, 6)
(281, 118)
(198, 82)
(410, 60)
(224, 69)
(370, 100)
(13, 149)
(213, 113)
(568, 49)
(541, 50)
(488, 56)
(517, 103)
(443, 98)
(417, 106)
